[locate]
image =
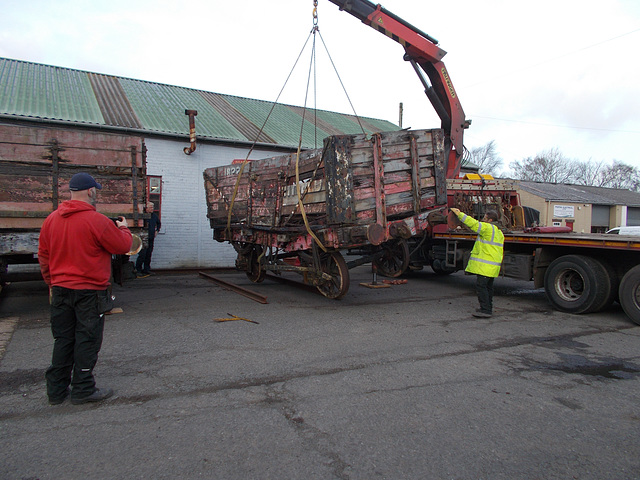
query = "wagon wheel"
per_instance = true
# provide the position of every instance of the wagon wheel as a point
(242, 248)
(395, 259)
(333, 263)
(255, 273)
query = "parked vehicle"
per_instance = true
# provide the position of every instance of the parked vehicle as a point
(581, 273)
(624, 231)
(36, 164)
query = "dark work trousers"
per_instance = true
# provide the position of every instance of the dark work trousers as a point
(484, 289)
(77, 323)
(143, 262)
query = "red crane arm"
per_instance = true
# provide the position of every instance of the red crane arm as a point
(425, 56)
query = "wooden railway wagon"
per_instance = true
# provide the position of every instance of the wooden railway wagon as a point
(364, 194)
(36, 164)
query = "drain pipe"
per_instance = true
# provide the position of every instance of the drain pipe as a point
(192, 131)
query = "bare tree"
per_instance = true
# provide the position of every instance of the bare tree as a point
(548, 166)
(589, 173)
(486, 158)
(620, 175)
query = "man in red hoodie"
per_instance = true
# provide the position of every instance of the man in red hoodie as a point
(76, 244)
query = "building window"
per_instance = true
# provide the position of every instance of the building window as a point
(155, 194)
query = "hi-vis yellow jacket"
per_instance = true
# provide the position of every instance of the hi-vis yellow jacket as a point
(487, 252)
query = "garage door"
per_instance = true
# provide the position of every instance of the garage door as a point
(600, 216)
(633, 216)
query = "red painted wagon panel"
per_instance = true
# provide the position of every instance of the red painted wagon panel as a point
(37, 162)
(353, 181)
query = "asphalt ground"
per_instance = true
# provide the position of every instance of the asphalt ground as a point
(395, 383)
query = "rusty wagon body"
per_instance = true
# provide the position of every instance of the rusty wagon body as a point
(359, 193)
(36, 164)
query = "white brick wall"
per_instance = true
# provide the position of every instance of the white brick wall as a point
(186, 239)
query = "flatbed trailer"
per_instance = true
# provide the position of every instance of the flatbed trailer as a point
(580, 272)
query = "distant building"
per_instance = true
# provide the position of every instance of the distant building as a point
(43, 96)
(585, 209)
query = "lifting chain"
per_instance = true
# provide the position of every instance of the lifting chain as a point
(315, 15)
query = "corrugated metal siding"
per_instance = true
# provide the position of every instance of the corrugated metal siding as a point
(161, 108)
(41, 91)
(233, 116)
(113, 102)
(33, 90)
(317, 118)
(284, 124)
(340, 124)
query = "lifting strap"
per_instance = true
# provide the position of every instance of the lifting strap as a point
(315, 29)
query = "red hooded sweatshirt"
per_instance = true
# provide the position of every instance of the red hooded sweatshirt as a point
(76, 244)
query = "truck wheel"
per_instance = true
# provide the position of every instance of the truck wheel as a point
(613, 281)
(577, 284)
(333, 263)
(630, 294)
(439, 268)
(395, 258)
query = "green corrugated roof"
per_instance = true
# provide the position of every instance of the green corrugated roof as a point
(48, 92)
(283, 125)
(160, 108)
(34, 90)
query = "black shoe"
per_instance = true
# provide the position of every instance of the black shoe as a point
(97, 396)
(59, 400)
(481, 314)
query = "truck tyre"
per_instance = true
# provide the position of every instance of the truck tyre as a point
(439, 268)
(577, 284)
(629, 292)
(614, 282)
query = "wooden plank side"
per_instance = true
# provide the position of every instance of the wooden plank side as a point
(37, 163)
(273, 199)
(395, 195)
(218, 213)
(76, 147)
(318, 208)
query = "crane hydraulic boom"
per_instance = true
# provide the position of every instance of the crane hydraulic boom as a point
(422, 51)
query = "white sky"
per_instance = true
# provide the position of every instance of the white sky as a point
(530, 75)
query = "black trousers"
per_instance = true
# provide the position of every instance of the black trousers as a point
(484, 289)
(143, 262)
(77, 324)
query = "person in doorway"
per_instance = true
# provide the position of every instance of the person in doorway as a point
(486, 257)
(143, 262)
(74, 252)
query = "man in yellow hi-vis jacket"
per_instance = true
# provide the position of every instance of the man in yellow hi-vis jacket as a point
(486, 257)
